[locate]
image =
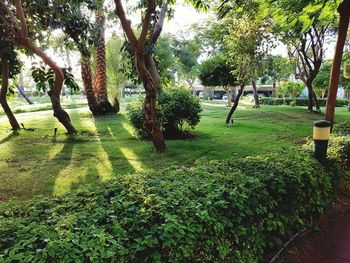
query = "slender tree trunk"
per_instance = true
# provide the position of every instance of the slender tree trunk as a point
(344, 10)
(100, 82)
(229, 97)
(235, 104)
(86, 76)
(20, 88)
(153, 71)
(234, 93)
(273, 89)
(23, 94)
(256, 96)
(3, 93)
(54, 94)
(310, 103)
(349, 100)
(151, 125)
(316, 102)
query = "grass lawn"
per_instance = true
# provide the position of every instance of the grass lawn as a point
(35, 162)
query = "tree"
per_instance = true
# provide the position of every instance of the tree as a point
(138, 46)
(187, 52)
(117, 67)
(165, 60)
(291, 89)
(150, 30)
(321, 81)
(303, 30)
(10, 66)
(19, 35)
(216, 72)
(100, 81)
(246, 45)
(278, 68)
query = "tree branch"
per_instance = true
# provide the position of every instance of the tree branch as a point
(159, 26)
(21, 17)
(126, 23)
(146, 23)
(9, 13)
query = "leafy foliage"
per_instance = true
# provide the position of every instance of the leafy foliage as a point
(215, 71)
(176, 109)
(218, 211)
(290, 88)
(44, 78)
(339, 148)
(342, 129)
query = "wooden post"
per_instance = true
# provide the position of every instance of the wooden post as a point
(344, 11)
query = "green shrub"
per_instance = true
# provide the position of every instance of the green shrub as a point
(217, 211)
(298, 101)
(339, 149)
(342, 129)
(176, 111)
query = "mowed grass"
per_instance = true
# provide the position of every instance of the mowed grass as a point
(37, 162)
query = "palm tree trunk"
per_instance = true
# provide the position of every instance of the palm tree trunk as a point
(100, 82)
(86, 76)
(3, 92)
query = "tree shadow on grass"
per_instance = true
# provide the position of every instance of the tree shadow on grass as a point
(9, 137)
(119, 144)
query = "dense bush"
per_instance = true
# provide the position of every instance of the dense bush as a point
(299, 101)
(176, 110)
(217, 211)
(339, 149)
(342, 129)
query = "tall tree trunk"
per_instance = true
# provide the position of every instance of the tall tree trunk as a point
(151, 125)
(100, 82)
(310, 102)
(235, 104)
(86, 76)
(344, 10)
(153, 71)
(3, 93)
(349, 100)
(256, 96)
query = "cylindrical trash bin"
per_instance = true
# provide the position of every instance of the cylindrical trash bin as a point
(321, 134)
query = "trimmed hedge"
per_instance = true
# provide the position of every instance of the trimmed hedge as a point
(217, 211)
(298, 102)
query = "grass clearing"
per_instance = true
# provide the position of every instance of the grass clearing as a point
(36, 162)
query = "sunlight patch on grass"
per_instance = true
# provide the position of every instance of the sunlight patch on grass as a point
(128, 128)
(131, 157)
